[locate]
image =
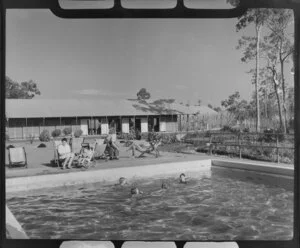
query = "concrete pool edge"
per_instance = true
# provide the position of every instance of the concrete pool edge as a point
(113, 174)
(272, 169)
(103, 175)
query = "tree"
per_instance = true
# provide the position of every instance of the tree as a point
(239, 109)
(217, 109)
(280, 44)
(143, 94)
(251, 45)
(25, 90)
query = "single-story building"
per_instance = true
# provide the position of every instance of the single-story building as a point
(29, 117)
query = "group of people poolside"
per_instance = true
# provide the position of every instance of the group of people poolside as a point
(111, 151)
(134, 190)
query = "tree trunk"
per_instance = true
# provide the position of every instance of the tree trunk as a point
(276, 88)
(283, 94)
(258, 28)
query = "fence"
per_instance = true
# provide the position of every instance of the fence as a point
(215, 141)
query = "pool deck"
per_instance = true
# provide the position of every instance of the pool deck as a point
(126, 161)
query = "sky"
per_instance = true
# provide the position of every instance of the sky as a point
(183, 59)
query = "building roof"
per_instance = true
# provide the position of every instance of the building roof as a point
(37, 108)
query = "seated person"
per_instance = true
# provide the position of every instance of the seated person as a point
(153, 145)
(112, 150)
(85, 154)
(64, 153)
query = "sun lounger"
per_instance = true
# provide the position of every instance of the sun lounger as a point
(151, 149)
(17, 157)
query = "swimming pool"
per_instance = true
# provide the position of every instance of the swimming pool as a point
(215, 207)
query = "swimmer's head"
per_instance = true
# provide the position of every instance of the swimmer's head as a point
(164, 185)
(122, 181)
(182, 178)
(135, 191)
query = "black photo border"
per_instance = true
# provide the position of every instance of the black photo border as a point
(180, 11)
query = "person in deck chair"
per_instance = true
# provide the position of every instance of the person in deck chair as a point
(151, 149)
(64, 153)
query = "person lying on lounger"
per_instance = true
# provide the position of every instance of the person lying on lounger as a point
(152, 148)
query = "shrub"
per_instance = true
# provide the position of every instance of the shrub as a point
(44, 136)
(167, 138)
(271, 135)
(56, 133)
(246, 130)
(78, 133)
(67, 131)
(229, 129)
(42, 145)
(226, 128)
(10, 146)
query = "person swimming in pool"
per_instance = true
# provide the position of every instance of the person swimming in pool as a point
(182, 178)
(123, 181)
(135, 191)
(164, 185)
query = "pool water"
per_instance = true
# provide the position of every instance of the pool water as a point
(214, 208)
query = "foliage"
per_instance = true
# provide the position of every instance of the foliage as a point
(23, 90)
(167, 138)
(240, 109)
(44, 136)
(229, 129)
(217, 109)
(42, 145)
(10, 146)
(67, 131)
(56, 133)
(77, 133)
(143, 94)
(271, 136)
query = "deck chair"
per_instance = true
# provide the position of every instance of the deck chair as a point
(100, 149)
(86, 160)
(56, 159)
(17, 157)
(76, 145)
(152, 149)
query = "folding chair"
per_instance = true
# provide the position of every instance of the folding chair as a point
(17, 156)
(56, 159)
(76, 145)
(86, 161)
(153, 148)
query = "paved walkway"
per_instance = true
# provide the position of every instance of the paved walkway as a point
(124, 161)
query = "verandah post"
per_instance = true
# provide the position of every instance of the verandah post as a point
(239, 141)
(277, 148)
